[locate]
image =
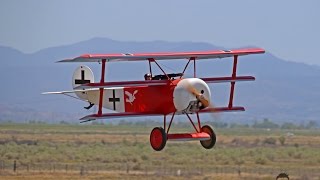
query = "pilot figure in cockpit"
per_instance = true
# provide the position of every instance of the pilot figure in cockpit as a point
(162, 77)
(147, 76)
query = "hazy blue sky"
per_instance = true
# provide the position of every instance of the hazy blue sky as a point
(288, 28)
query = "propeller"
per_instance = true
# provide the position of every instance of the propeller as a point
(198, 95)
(205, 102)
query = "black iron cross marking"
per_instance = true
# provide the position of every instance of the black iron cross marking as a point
(114, 99)
(82, 80)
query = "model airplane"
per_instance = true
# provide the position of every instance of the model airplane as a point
(159, 95)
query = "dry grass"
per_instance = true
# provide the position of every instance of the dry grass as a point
(130, 176)
(110, 149)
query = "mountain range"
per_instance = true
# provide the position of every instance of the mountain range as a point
(283, 90)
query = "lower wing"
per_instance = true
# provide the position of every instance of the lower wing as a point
(138, 114)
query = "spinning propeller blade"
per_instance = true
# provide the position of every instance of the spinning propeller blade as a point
(198, 95)
(205, 102)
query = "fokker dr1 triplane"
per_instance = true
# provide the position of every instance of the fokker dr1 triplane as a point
(166, 95)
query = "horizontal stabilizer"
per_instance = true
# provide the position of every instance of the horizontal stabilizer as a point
(69, 92)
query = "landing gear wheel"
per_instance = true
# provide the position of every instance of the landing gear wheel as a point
(208, 144)
(158, 138)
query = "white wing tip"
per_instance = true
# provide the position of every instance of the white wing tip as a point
(60, 92)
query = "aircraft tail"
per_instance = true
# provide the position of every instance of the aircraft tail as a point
(82, 75)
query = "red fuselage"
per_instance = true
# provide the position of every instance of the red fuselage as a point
(153, 99)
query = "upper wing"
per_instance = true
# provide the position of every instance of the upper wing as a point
(164, 56)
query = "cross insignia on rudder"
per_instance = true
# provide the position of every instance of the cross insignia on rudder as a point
(82, 80)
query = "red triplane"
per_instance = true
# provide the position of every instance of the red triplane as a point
(159, 95)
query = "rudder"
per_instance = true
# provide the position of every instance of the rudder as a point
(82, 75)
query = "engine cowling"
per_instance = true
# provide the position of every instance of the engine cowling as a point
(186, 101)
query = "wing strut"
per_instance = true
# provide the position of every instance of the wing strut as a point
(234, 76)
(103, 70)
(194, 67)
(185, 67)
(150, 68)
(153, 60)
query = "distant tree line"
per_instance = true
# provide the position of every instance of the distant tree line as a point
(265, 123)
(268, 124)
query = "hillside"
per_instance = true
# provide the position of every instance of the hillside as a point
(283, 90)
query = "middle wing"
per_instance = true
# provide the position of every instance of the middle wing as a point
(123, 84)
(158, 82)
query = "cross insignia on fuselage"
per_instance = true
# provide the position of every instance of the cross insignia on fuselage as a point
(114, 99)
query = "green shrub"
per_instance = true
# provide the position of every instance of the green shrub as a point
(270, 157)
(282, 140)
(261, 161)
(239, 161)
(136, 167)
(287, 125)
(266, 123)
(270, 140)
(144, 157)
